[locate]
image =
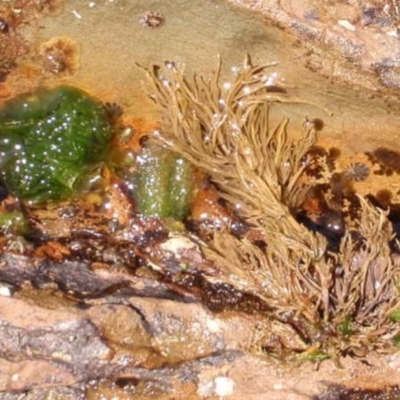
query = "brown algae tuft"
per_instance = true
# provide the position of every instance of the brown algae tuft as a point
(260, 169)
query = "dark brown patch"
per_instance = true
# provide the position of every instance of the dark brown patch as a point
(388, 160)
(318, 124)
(333, 155)
(341, 185)
(276, 89)
(4, 28)
(384, 197)
(151, 19)
(114, 111)
(314, 160)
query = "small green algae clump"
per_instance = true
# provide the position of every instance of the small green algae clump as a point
(14, 222)
(163, 184)
(48, 140)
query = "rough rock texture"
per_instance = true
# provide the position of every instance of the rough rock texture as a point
(150, 346)
(355, 40)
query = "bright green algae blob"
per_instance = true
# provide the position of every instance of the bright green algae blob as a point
(163, 183)
(49, 139)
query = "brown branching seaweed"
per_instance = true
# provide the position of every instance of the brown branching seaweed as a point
(367, 285)
(225, 130)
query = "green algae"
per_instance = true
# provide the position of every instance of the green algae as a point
(51, 142)
(14, 222)
(47, 141)
(163, 184)
(394, 316)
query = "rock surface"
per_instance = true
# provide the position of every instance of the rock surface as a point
(153, 347)
(356, 40)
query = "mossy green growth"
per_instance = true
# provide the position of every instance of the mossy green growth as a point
(346, 327)
(394, 316)
(163, 184)
(14, 222)
(396, 339)
(48, 139)
(315, 356)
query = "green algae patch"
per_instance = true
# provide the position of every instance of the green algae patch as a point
(394, 316)
(163, 184)
(49, 139)
(14, 222)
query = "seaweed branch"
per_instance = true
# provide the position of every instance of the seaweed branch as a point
(226, 132)
(225, 129)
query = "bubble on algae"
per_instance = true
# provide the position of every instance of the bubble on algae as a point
(48, 139)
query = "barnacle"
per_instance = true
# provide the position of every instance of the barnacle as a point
(47, 141)
(357, 172)
(60, 56)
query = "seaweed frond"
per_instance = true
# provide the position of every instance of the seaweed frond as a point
(225, 129)
(366, 287)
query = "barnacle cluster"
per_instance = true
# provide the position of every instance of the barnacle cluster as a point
(339, 302)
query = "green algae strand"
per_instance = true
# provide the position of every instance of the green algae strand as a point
(48, 140)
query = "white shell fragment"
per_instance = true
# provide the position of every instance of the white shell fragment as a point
(346, 24)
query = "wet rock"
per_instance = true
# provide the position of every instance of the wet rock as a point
(79, 279)
(189, 331)
(64, 393)
(363, 41)
(337, 392)
(19, 376)
(151, 348)
(41, 346)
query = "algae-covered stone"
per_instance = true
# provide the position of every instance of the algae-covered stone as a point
(48, 139)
